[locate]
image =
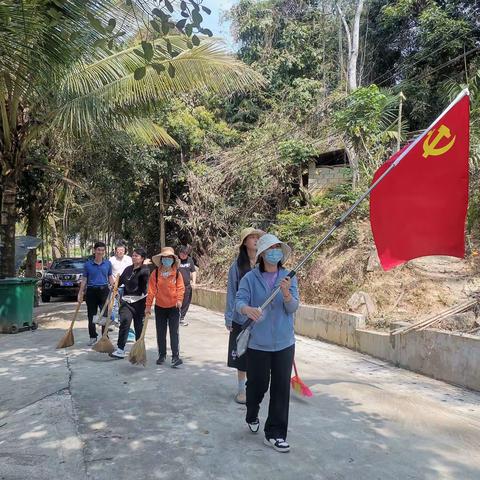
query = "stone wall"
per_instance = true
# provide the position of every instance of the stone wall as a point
(327, 176)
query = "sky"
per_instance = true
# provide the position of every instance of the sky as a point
(214, 22)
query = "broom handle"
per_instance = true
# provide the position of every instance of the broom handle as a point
(75, 315)
(295, 368)
(112, 299)
(110, 306)
(107, 301)
(144, 329)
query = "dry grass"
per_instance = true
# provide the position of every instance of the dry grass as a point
(406, 293)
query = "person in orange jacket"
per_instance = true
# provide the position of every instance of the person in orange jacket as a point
(166, 289)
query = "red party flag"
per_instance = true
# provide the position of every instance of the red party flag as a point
(420, 207)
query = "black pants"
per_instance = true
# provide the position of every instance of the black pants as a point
(187, 300)
(127, 313)
(274, 368)
(95, 298)
(167, 317)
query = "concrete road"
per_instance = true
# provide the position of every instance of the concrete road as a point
(77, 414)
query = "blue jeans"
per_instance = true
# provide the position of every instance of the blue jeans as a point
(116, 305)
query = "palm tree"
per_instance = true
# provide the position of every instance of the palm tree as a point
(51, 82)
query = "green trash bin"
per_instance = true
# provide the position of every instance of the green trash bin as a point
(16, 304)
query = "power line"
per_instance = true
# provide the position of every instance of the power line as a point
(421, 59)
(436, 69)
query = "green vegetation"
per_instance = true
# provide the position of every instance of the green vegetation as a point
(158, 136)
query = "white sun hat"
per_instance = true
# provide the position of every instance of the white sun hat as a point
(268, 240)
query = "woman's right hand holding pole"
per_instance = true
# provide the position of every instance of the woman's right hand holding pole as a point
(253, 313)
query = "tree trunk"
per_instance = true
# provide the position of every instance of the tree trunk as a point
(340, 52)
(33, 222)
(353, 59)
(42, 234)
(8, 218)
(161, 216)
(58, 250)
(353, 41)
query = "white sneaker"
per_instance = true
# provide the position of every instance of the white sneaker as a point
(183, 323)
(254, 426)
(118, 353)
(92, 342)
(279, 444)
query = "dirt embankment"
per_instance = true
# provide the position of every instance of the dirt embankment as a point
(411, 292)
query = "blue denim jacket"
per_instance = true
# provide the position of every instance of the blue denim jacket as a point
(274, 331)
(231, 315)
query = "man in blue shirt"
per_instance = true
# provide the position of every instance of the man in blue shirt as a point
(97, 276)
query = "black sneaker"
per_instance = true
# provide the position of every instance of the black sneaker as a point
(176, 361)
(160, 360)
(254, 426)
(279, 444)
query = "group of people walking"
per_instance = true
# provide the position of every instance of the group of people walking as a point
(166, 286)
(164, 283)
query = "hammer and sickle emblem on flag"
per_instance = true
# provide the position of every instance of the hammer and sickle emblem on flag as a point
(430, 147)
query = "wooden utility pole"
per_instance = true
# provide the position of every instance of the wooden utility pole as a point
(161, 209)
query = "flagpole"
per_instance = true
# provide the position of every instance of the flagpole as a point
(342, 219)
(425, 132)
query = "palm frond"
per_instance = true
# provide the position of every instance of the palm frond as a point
(93, 94)
(206, 66)
(146, 131)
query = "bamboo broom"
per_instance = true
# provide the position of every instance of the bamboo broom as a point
(67, 340)
(104, 345)
(138, 353)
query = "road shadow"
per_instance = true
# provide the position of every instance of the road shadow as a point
(161, 423)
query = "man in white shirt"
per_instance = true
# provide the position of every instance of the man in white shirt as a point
(120, 261)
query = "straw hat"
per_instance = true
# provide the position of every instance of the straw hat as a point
(165, 252)
(268, 240)
(249, 231)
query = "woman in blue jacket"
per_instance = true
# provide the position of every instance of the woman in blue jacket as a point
(241, 265)
(272, 342)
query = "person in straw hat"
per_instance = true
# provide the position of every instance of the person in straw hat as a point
(166, 289)
(245, 261)
(272, 342)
